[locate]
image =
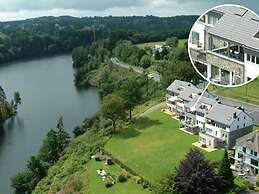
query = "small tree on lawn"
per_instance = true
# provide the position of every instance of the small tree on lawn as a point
(172, 42)
(196, 175)
(225, 173)
(113, 108)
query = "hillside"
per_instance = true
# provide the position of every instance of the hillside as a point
(54, 35)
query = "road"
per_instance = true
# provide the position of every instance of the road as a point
(152, 75)
(151, 109)
(251, 109)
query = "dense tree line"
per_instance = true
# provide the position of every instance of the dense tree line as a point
(53, 146)
(7, 109)
(87, 59)
(53, 35)
(128, 52)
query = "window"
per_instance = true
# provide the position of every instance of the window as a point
(255, 153)
(240, 155)
(244, 149)
(244, 124)
(195, 38)
(213, 18)
(251, 152)
(244, 117)
(254, 162)
(257, 60)
(253, 59)
(238, 119)
(238, 127)
(248, 57)
(202, 19)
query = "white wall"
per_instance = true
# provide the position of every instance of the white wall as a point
(200, 120)
(247, 121)
(246, 156)
(251, 69)
(199, 28)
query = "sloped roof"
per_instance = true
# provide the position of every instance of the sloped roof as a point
(250, 141)
(237, 26)
(223, 114)
(203, 100)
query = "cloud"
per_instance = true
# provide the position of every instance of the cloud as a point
(21, 9)
(18, 5)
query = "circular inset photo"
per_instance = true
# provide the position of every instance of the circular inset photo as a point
(223, 45)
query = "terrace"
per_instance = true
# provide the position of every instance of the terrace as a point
(226, 48)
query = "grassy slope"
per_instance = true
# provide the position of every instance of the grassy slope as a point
(239, 93)
(72, 164)
(152, 44)
(154, 146)
(96, 185)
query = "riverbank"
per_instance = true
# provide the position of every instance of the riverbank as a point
(47, 89)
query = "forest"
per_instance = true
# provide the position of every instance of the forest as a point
(55, 35)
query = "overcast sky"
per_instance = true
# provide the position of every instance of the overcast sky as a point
(21, 9)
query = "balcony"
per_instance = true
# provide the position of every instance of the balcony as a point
(225, 63)
(198, 55)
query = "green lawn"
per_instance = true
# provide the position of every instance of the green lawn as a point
(153, 146)
(96, 185)
(181, 42)
(248, 93)
(149, 44)
(152, 44)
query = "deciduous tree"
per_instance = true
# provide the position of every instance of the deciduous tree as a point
(113, 108)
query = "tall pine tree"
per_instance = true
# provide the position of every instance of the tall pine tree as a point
(225, 173)
(196, 175)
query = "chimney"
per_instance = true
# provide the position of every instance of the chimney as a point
(234, 115)
(241, 108)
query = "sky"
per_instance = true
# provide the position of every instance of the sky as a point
(23, 9)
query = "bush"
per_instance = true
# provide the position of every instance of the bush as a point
(137, 179)
(145, 184)
(251, 186)
(108, 182)
(241, 184)
(257, 181)
(122, 178)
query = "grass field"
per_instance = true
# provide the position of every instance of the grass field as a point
(152, 44)
(181, 42)
(154, 146)
(96, 185)
(248, 93)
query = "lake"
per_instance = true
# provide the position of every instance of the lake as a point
(48, 92)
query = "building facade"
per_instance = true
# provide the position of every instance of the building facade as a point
(224, 45)
(247, 153)
(217, 124)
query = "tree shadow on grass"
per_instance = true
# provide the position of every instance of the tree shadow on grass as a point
(143, 123)
(136, 127)
(128, 132)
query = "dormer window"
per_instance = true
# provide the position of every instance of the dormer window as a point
(256, 35)
(180, 88)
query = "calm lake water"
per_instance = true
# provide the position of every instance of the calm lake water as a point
(47, 91)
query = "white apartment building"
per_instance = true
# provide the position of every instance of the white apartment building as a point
(218, 125)
(224, 45)
(247, 153)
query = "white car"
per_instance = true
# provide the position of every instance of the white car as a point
(151, 75)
